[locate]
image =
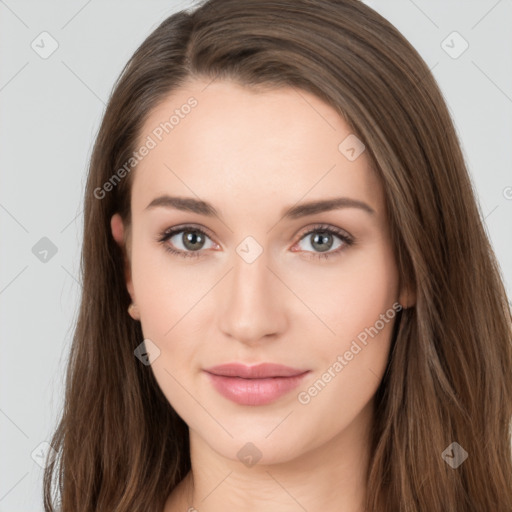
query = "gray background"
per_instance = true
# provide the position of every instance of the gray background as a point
(50, 112)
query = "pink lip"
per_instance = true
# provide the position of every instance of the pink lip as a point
(254, 385)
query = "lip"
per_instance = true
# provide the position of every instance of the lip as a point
(254, 385)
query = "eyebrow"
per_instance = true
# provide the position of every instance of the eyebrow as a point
(189, 204)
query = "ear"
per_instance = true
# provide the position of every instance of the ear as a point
(119, 234)
(407, 297)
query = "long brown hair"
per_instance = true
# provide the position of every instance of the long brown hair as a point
(121, 446)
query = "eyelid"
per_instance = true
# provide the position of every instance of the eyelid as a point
(188, 227)
(327, 227)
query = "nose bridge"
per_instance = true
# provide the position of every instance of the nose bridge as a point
(250, 279)
(252, 307)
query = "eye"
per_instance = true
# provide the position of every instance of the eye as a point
(321, 238)
(189, 240)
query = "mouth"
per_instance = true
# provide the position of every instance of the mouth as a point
(254, 385)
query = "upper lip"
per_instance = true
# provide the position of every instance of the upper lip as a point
(259, 371)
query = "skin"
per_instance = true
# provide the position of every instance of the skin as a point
(252, 154)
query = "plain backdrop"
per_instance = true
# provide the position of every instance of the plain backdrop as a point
(51, 106)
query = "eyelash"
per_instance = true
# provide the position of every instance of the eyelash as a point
(321, 228)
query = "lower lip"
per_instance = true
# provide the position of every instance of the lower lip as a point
(254, 391)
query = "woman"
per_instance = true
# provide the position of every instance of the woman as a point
(289, 299)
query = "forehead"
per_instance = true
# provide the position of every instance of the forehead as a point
(228, 143)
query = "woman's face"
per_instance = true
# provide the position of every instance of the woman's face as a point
(262, 273)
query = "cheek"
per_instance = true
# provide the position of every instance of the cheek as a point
(167, 297)
(351, 294)
(361, 310)
(364, 325)
(372, 289)
(163, 299)
(164, 291)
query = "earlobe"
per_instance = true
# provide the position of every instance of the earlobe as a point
(133, 311)
(407, 299)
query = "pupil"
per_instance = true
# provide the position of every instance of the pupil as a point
(192, 238)
(322, 238)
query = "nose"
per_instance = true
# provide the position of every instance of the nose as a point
(252, 302)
